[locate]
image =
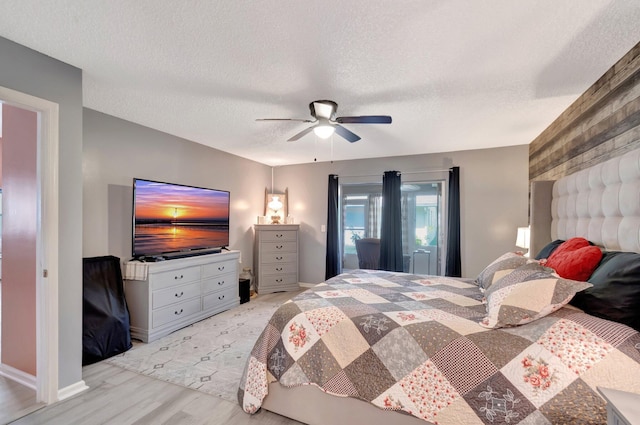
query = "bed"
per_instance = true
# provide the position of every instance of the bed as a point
(505, 347)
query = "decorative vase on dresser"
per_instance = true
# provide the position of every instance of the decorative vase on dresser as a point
(165, 296)
(275, 257)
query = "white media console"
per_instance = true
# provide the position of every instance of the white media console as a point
(168, 295)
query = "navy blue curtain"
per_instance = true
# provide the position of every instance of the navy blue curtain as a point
(391, 229)
(332, 267)
(453, 268)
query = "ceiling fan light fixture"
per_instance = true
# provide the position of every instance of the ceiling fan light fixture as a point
(324, 130)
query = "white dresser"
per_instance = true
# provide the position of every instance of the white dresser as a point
(275, 257)
(168, 295)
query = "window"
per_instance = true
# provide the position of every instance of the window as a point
(361, 206)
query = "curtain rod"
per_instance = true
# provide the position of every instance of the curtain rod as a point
(399, 173)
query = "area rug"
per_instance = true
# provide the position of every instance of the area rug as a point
(208, 356)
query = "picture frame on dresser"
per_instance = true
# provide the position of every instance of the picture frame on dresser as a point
(275, 257)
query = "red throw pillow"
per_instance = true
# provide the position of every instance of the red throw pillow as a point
(575, 259)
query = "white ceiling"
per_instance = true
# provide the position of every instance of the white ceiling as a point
(453, 74)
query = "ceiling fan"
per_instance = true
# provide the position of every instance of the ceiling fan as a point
(326, 123)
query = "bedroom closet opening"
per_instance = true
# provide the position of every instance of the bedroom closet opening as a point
(19, 129)
(423, 226)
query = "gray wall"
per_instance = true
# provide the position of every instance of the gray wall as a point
(30, 72)
(115, 151)
(493, 190)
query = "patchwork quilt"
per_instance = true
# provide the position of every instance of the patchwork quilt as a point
(414, 344)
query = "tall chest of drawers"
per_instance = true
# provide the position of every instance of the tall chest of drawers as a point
(165, 296)
(276, 257)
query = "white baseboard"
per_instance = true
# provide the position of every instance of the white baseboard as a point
(72, 390)
(306, 285)
(18, 376)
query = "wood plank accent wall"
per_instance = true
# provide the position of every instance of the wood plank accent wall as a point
(602, 123)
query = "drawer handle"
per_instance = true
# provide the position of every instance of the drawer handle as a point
(278, 246)
(221, 297)
(178, 313)
(279, 258)
(221, 283)
(179, 295)
(279, 235)
(178, 277)
(220, 268)
(279, 280)
(278, 269)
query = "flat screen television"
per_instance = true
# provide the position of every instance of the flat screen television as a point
(175, 220)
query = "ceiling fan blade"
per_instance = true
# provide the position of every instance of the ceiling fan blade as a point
(366, 119)
(347, 134)
(283, 119)
(301, 134)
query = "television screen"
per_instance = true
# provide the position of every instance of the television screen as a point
(178, 218)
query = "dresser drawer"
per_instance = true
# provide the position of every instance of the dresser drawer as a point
(176, 312)
(216, 269)
(275, 268)
(174, 277)
(278, 235)
(165, 297)
(279, 257)
(274, 280)
(273, 247)
(227, 295)
(218, 283)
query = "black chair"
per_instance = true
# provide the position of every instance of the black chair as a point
(368, 250)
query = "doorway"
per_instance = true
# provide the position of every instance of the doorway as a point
(45, 380)
(423, 225)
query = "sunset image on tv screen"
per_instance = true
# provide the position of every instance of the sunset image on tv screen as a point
(170, 217)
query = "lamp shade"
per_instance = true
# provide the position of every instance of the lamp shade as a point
(522, 238)
(275, 203)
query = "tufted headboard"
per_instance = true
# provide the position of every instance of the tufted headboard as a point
(600, 203)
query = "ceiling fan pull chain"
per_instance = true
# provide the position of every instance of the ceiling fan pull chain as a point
(332, 148)
(315, 149)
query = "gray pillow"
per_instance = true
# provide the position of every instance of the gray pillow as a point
(548, 249)
(615, 294)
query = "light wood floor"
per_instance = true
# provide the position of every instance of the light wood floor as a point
(120, 397)
(15, 400)
(117, 396)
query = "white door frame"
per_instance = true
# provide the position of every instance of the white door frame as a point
(46, 241)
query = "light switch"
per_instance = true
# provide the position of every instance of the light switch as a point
(323, 228)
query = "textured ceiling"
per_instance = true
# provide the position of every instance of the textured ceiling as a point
(453, 74)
